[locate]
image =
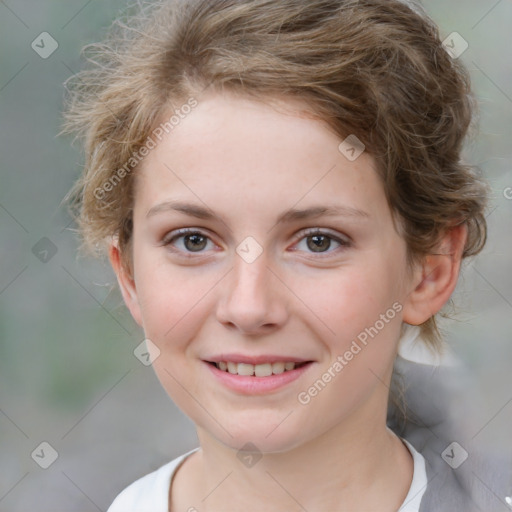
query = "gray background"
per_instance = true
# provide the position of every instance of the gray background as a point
(68, 375)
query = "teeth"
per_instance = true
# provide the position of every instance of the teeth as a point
(259, 370)
(278, 368)
(245, 369)
(262, 370)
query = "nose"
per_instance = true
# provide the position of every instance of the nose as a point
(254, 298)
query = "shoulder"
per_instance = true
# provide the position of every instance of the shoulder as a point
(464, 472)
(150, 492)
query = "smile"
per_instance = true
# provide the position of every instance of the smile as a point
(263, 375)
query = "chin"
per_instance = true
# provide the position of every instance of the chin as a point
(267, 432)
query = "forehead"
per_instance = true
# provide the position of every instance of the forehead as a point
(245, 154)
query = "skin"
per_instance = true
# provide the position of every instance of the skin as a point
(248, 162)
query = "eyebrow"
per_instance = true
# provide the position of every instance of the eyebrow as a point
(290, 215)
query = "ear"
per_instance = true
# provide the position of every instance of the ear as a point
(126, 282)
(436, 278)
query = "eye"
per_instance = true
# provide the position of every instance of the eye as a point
(318, 241)
(192, 240)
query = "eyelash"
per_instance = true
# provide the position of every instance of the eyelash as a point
(344, 243)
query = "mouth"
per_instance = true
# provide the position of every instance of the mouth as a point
(256, 375)
(257, 370)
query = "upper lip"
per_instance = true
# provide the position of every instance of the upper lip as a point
(261, 359)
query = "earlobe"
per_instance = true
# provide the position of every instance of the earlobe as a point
(126, 283)
(436, 278)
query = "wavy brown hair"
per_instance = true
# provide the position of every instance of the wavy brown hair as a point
(373, 68)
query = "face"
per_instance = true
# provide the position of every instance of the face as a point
(257, 241)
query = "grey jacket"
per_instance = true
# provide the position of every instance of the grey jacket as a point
(466, 476)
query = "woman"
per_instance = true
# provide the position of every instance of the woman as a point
(279, 187)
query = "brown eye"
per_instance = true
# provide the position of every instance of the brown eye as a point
(186, 241)
(194, 242)
(319, 242)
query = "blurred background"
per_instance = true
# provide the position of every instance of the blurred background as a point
(73, 396)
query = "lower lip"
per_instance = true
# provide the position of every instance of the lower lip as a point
(251, 385)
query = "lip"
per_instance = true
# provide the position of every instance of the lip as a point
(251, 385)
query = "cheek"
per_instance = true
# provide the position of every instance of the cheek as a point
(173, 312)
(361, 354)
(352, 299)
(362, 307)
(171, 301)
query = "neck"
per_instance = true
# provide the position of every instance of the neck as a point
(358, 465)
